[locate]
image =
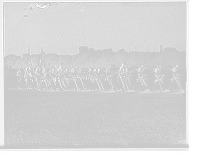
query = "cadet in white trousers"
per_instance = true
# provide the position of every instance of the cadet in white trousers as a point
(36, 76)
(62, 80)
(120, 83)
(141, 80)
(67, 79)
(176, 79)
(108, 82)
(53, 80)
(124, 79)
(95, 84)
(99, 79)
(44, 79)
(159, 77)
(90, 79)
(26, 78)
(74, 79)
(128, 79)
(80, 79)
(58, 83)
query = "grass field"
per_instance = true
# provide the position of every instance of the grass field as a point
(94, 120)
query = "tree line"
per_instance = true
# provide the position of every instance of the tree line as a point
(88, 57)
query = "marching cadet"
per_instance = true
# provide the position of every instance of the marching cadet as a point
(90, 79)
(44, 79)
(74, 79)
(36, 76)
(110, 78)
(124, 79)
(176, 79)
(80, 79)
(95, 84)
(48, 78)
(141, 80)
(108, 81)
(158, 80)
(58, 78)
(62, 79)
(67, 78)
(26, 77)
(99, 79)
(162, 76)
(120, 83)
(53, 79)
(128, 79)
(19, 77)
(40, 77)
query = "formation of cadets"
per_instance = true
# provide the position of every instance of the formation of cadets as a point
(59, 79)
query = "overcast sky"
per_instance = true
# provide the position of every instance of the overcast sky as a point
(61, 28)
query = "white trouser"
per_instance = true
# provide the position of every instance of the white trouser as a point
(19, 81)
(177, 82)
(81, 84)
(126, 84)
(120, 85)
(53, 84)
(74, 84)
(95, 85)
(63, 84)
(49, 81)
(89, 83)
(45, 84)
(36, 85)
(32, 85)
(100, 84)
(67, 82)
(141, 83)
(58, 83)
(26, 82)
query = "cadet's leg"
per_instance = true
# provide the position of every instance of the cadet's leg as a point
(163, 85)
(75, 84)
(111, 83)
(160, 85)
(63, 84)
(45, 84)
(178, 83)
(26, 82)
(100, 85)
(82, 85)
(122, 85)
(126, 84)
(59, 85)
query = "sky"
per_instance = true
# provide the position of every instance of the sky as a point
(62, 27)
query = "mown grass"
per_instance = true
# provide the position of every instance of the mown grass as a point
(72, 119)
